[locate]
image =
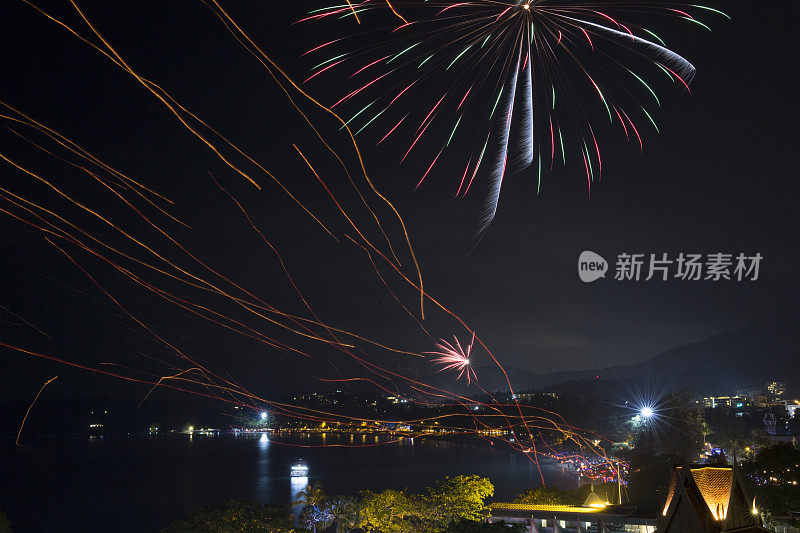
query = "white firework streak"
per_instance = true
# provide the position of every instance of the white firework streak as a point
(499, 167)
(500, 163)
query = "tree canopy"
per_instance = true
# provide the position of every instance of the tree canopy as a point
(774, 473)
(236, 515)
(5, 523)
(316, 510)
(390, 511)
(457, 498)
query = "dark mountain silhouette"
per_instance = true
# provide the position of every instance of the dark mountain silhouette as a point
(765, 350)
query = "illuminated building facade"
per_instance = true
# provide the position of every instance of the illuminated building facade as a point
(737, 401)
(595, 515)
(708, 499)
(776, 388)
(527, 396)
(701, 499)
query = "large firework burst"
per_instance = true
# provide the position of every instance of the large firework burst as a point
(526, 79)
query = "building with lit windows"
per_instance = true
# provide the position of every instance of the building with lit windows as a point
(776, 388)
(701, 499)
(737, 401)
(595, 515)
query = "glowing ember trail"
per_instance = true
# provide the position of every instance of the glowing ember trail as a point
(97, 218)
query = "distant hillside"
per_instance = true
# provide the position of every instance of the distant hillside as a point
(765, 350)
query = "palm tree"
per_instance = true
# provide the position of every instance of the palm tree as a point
(312, 498)
(344, 510)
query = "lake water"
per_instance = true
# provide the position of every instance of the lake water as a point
(144, 484)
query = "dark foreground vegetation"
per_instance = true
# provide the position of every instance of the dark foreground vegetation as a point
(456, 504)
(5, 523)
(774, 478)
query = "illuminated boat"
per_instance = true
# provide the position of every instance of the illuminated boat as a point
(299, 469)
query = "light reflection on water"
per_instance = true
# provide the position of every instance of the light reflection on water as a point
(147, 483)
(263, 464)
(297, 484)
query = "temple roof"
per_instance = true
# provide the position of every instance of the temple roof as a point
(711, 487)
(593, 500)
(715, 486)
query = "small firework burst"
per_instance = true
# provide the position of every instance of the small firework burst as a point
(455, 357)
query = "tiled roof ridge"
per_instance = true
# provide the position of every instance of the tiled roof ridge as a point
(714, 484)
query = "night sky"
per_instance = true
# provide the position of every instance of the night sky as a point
(722, 177)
